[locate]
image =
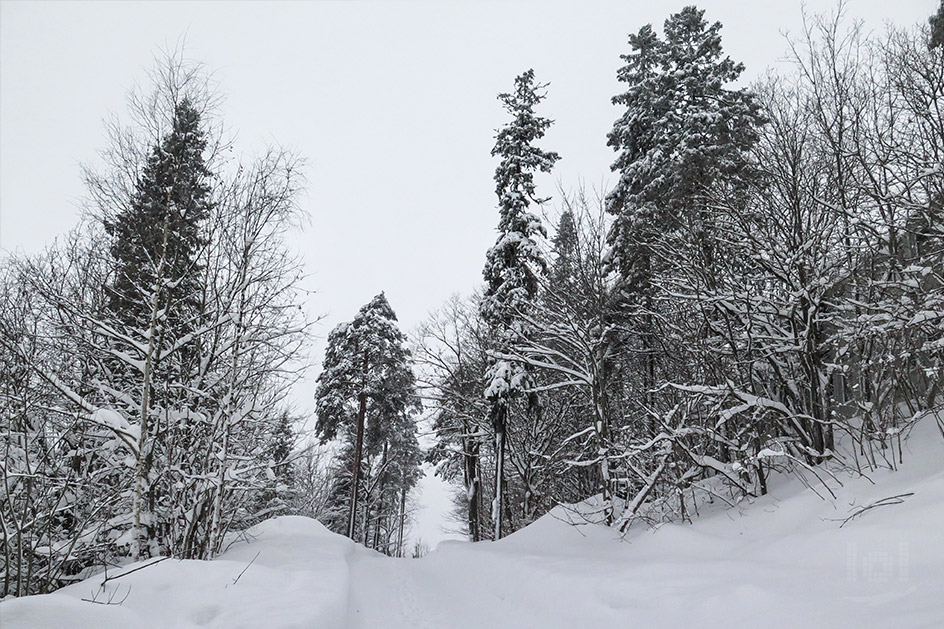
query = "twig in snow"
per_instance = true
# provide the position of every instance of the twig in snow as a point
(246, 568)
(111, 598)
(884, 502)
(118, 576)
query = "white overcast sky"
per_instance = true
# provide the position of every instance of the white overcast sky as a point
(392, 103)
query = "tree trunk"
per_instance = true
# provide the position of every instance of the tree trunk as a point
(603, 451)
(358, 452)
(470, 467)
(142, 466)
(649, 380)
(402, 522)
(501, 410)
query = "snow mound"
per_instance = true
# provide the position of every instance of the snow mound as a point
(567, 529)
(287, 572)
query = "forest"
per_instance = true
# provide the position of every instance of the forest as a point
(761, 291)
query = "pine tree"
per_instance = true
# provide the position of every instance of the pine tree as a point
(513, 265)
(366, 397)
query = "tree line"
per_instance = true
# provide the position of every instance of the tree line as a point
(762, 288)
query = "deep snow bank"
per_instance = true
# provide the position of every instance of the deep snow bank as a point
(298, 577)
(777, 561)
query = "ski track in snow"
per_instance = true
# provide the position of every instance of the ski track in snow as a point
(379, 578)
(413, 611)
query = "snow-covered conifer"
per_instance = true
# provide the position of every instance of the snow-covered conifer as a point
(366, 397)
(513, 265)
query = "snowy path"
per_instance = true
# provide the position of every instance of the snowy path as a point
(389, 593)
(777, 561)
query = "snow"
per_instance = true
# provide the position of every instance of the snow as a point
(781, 560)
(115, 421)
(298, 579)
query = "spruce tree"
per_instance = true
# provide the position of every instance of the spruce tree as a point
(565, 251)
(277, 494)
(172, 198)
(515, 263)
(633, 137)
(683, 135)
(682, 127)
(682, 132)
(155, 298)
(937, 27)
(366, 396)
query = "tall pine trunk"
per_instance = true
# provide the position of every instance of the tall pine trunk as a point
(358, 453)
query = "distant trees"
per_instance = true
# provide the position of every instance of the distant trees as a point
(451, 355)
(366, 398)
(574, 345)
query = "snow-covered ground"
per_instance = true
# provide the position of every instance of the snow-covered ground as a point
(777, 561)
